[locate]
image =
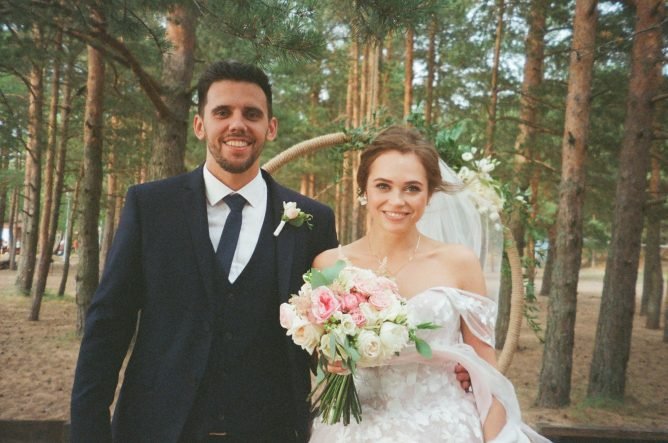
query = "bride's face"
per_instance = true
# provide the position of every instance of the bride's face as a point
(397, 191)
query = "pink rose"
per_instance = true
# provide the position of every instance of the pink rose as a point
(358, 317)
(324, 304)
(288, 315)
(349, 302)
(381, 299)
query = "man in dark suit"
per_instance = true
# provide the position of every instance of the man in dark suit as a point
(210, 361)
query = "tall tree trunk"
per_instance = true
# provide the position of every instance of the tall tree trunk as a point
(607, 377)
(177, 70)
(431, 71)
(61, 150)
(494, 85)
(46, 246)
(408, 72)
(89, 249)
(13, 219)
(4, 188)
(548, 268)
(525, 141)
(555, 375)
(109, 207)
(652, 288)
(33, 173)
(72, 207)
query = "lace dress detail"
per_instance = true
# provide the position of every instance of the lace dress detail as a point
(412, 399)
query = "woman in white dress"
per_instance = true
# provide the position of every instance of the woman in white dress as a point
(410, 398)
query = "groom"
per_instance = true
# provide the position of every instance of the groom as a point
(196, 271)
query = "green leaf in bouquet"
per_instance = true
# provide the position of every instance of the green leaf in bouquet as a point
(427, 325)
(423, 347)
(326, 276)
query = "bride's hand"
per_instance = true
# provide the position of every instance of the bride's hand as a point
(337, 368)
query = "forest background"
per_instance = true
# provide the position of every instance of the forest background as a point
(567, 99)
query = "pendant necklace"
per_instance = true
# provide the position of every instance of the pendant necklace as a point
(382, 263)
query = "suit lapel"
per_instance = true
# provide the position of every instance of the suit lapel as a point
(285, 242)
(194, 205)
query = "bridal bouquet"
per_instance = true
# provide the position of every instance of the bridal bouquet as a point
(353, 316)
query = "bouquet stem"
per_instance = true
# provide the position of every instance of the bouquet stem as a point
(338, 399)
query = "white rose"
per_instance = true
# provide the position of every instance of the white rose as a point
(394, 337)
(467, 156)
(326, 347)
(370, 314)
(290, 210)
(305, 334)
(394, 310)
(369, 346)
(348, 325)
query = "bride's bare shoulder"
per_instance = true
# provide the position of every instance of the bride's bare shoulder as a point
(349, 252)
(327, 258)
(453, 253)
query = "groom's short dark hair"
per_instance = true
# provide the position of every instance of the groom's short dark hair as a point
(235, 71)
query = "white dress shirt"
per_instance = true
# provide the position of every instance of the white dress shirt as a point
(252, 216)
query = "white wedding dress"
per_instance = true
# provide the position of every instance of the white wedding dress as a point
(413, 399)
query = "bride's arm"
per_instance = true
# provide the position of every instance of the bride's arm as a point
(473, 280)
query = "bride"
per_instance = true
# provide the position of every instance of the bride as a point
(412, 399)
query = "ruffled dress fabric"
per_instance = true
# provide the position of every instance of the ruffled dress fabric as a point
(413, 399)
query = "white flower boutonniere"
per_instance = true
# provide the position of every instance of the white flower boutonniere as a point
(293, 215)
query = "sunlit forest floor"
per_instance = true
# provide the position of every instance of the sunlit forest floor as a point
(37, 362)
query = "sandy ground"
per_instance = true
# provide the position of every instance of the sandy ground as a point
(37, 362)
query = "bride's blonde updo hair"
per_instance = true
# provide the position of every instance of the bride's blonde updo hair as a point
(404, 140)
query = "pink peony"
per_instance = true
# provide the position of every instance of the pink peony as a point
(324, 304)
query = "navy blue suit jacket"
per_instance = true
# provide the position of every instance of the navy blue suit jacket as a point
(159, 270)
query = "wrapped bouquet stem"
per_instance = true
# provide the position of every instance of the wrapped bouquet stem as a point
(353, 316)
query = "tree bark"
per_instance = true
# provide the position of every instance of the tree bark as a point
(652, 288)
(431, 71)
(13, 218)
(494, 85)
(72, 208)
(89, 248)
(546, 284)
(46, 243)
(33, 173)
(408, 73)
(533, 77)
(555, 375)
(168, 154)
(607, 376)
(110, 207)
(61, 151)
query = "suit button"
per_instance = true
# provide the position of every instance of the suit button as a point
(228, 336)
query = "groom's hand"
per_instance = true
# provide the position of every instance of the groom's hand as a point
(463, 377)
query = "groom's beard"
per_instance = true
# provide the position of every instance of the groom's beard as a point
(235, 168)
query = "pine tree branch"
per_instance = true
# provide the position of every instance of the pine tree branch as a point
(119, 52)
(541, 129)
(660, 97)
(659, 135)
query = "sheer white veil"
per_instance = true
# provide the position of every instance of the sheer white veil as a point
(455, 218)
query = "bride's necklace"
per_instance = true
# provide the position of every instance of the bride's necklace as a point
(382, 262)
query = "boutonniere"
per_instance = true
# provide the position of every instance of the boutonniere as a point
(293, 215)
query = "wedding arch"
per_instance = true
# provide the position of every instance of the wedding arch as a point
(517, 294)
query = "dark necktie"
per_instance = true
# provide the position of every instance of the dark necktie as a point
(230, 236)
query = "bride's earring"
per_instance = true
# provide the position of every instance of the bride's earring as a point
(362, 200)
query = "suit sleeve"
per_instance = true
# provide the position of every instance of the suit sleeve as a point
(109, 326)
